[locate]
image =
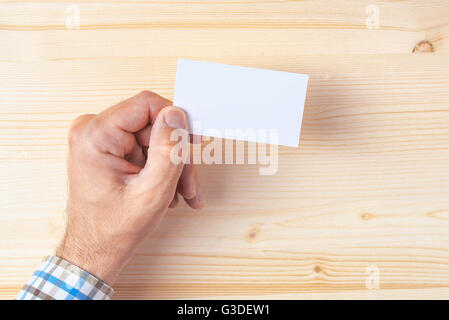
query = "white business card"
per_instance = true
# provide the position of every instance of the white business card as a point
(241, 103)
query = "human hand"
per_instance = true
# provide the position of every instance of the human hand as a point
(121, 181)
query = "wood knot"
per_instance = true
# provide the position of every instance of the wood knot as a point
(252, 234)
(423, 46)
(366, 216)
(317, 269)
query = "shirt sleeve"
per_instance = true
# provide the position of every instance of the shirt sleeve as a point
(58, 279)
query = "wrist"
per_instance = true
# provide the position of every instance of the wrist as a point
(99, 262)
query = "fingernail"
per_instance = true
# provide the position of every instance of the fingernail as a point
(200, 196)
(192, 187)
(175, 118)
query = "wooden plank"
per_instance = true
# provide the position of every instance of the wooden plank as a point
(186, 28)
(368, 185)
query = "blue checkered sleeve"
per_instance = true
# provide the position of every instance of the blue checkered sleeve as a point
(58, 279)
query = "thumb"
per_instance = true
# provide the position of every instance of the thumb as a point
(164, 165)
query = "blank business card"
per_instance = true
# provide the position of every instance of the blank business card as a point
(241, 103)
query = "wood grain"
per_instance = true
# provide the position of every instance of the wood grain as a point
(368, 185)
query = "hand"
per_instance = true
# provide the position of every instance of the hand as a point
(121, 181)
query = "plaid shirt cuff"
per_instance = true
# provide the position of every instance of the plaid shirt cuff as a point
(58, 279)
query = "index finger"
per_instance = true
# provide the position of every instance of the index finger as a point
(135, 113)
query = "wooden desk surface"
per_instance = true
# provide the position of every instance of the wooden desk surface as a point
(367, 190)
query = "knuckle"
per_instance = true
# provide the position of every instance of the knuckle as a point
(77, 127)
(73, 134)
(146, 94)
(152, 98)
